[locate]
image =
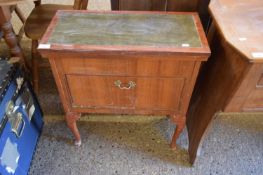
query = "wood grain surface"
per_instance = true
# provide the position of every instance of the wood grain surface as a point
(241, 23)
(166, 5)
(154, 76)
(231, 80)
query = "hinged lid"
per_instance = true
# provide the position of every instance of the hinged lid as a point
(86, 31)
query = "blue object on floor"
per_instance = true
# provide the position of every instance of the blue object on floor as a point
(20, 120)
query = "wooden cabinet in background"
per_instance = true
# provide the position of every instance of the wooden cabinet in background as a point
(146, 5)
(182, 5)
(125, 63)
(200, 6)
(231, 81)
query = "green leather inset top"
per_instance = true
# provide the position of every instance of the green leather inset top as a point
(113, 29)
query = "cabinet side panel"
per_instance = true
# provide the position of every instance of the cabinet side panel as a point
(217, 82)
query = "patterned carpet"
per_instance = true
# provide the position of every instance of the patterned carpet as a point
(234, 145)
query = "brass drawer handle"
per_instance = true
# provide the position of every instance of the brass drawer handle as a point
(131, 84)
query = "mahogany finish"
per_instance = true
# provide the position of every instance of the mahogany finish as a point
(37, 23)
(200, 6)
(151, 76)
(150, 5)
(231, 81)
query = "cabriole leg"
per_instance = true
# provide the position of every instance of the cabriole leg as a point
(71, 119)
(180, 124)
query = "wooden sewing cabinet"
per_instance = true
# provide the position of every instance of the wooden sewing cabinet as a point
(125, 63)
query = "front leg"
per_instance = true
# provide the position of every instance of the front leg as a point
(71, 119)
(180, 124)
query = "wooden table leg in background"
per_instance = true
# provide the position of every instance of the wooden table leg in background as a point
(9, 35)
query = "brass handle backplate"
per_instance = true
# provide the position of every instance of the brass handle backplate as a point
(130, 84)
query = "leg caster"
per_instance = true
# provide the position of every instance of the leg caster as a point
(180, 124)
(71, 119)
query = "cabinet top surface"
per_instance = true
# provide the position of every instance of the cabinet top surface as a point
(71, 29)
(241, 23)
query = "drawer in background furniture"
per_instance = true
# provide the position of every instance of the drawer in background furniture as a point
(254, 101)
(104, 92)
(128, 66)
(260, 82)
